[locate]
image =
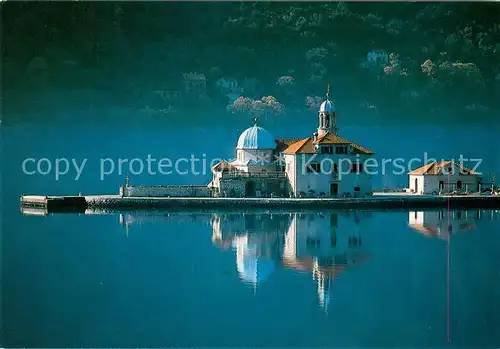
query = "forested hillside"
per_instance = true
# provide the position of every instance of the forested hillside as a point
(440, 55)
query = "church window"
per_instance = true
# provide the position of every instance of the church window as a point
(327, 121)
(327, 149)
(341, 149)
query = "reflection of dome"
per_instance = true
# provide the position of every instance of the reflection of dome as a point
(251, 268)
(256, 137)
(255, 270)
(327, 106)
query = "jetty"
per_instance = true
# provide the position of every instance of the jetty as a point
(69, 204)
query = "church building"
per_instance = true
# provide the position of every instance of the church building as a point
(321, 165)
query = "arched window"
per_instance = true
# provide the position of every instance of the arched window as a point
(327, 121)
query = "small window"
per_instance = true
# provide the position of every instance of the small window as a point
(327, 149)
(314, 168)
(311, 242)
(333, 241)
(357, 188)
(459, 185)
(341, 149)
(327, 121)
(356, 167)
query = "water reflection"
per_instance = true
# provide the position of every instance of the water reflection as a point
(323, 245)
(370, 272)
(256, 239)
(442, 224)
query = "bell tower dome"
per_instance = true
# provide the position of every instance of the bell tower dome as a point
(327, 116)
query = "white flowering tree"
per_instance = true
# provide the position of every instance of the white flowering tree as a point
(314, 102)
(285, 81)
(316, 54)
(264, 107)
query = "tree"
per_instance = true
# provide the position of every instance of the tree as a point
(266, 106)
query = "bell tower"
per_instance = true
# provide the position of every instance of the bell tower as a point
(327, 116)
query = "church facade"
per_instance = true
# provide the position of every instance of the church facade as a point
(321, 165)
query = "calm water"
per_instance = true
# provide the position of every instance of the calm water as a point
(344, 279)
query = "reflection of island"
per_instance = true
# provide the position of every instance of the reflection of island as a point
(439, 223)
(148, 217)
(321, 244)
(316, 244)
(256, 239)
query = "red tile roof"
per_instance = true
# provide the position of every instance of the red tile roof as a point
(307, 264)
(435, 168)
(307, 145)
(283, 143)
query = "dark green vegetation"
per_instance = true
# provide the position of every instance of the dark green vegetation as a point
(443, 58)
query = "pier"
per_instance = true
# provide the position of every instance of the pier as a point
(81, 203)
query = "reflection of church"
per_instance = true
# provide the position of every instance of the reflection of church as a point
(255, 237)
(309, 243)
(314, 243)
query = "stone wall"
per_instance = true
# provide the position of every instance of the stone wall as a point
(260, 187)
(166, 190)
(231, 188)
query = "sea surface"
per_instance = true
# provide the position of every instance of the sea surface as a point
(354, 279)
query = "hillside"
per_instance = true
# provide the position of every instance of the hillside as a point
(440, 56)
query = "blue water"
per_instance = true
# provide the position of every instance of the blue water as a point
(152, 279)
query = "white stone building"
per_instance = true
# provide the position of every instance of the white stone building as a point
(229, 87)
(326, 164)
(443, 177)
(255, 171)
(376, 58)
(322, 165)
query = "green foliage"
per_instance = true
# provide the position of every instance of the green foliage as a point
(442, 50)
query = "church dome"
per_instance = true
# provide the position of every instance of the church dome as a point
(256, 137)
(327, 106)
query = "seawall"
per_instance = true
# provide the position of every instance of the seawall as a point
(81, 203)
